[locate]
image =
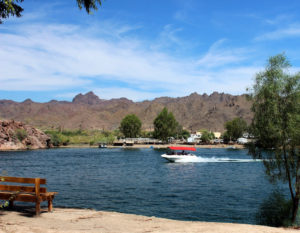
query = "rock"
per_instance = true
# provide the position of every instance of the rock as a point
(19, 136)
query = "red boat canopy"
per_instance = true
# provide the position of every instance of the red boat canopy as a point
(182, 148)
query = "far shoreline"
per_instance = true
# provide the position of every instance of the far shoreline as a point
(136, 146)
(158, 146)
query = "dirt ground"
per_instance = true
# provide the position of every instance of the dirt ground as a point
(82, 220)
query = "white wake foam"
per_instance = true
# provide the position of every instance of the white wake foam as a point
(200, 159)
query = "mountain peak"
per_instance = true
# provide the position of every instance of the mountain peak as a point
(88, 98)
(28, 101)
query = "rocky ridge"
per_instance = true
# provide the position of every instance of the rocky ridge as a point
(88, 111)
(19, 136)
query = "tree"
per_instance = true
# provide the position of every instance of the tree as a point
(165, 125)
(183, 133)
(235, 128)
(276, 125)
(131, 126)
(207, 136)
(89, 4)
(12, 7)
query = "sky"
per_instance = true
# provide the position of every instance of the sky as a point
(142, 49)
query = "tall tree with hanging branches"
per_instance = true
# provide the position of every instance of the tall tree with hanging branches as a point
(276, 125)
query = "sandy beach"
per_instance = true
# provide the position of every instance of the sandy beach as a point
(83, 220)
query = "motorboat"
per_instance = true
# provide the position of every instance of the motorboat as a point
(102, 145)
(179, 154)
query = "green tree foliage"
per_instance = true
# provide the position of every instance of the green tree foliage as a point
(165, 125)
(131, 126)
(235, 128)
(276, 125)
(12, 7)
(89, 4)
(183, 133)
(147, 134)
(206, 136)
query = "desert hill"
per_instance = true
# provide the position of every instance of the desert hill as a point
(88, 111)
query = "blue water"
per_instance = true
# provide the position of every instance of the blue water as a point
(139, 181)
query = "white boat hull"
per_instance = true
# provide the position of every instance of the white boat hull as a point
(178, 158)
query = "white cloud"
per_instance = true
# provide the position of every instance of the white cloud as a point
(45, 57)
(291, 31)
(278, 20)
(218, 56)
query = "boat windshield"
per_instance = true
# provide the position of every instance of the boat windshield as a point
(176, 152)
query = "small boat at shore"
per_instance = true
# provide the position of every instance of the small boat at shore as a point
(102, 145)
(179, 153)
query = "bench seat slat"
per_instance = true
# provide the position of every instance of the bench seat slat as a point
(21, 180)
(21, 188)
(47, 194)
(25, 197)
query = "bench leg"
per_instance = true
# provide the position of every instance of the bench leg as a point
(11, 204)
(37, 208)
(50, 205)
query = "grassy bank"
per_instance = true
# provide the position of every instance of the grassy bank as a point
(77, 137)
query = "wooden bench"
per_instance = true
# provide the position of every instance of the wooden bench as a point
(34, 193)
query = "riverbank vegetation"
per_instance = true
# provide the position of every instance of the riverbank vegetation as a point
(75, 137)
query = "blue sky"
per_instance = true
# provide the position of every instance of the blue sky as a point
(142, 49)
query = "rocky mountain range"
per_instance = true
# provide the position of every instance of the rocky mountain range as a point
(88, 111)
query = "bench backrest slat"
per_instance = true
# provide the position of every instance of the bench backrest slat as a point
(21, 180)
(29, 189)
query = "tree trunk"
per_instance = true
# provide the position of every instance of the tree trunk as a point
(287, 170)
(296, 209)
(296, 215)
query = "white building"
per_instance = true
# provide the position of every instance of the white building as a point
(194, 138)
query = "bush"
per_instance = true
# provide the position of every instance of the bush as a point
(21, 134)
(275, 211)
(71, 133)
(207, 136)
(56, 141)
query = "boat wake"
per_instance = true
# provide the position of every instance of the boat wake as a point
(199, 159)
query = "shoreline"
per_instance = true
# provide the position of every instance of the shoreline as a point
(137, 146)
(158, 146)
(85, 220)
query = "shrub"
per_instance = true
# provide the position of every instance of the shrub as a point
(21, 134)
(56, 141)
(207, 136)
(275, 211)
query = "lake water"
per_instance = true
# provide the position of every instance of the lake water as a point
(223, 185)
